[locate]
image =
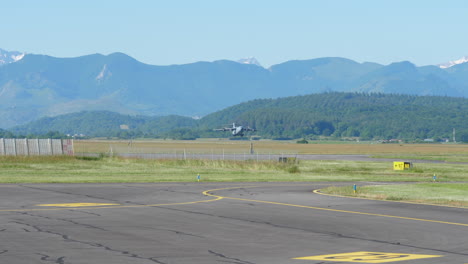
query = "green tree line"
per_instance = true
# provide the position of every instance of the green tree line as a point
(340, 115)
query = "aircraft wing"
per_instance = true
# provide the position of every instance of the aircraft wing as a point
(223, 129)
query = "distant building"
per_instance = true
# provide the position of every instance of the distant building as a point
(393, 140)
(76, 135)
(124, 127)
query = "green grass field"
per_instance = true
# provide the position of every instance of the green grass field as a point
(453, 194)
(64, 169)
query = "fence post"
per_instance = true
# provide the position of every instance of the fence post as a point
(3, 147)
(38, 147)
(14, 147)
(50, 146)
(27, 146)
(61, 146)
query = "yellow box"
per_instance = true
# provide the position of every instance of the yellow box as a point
(398, 165)
(401, 165)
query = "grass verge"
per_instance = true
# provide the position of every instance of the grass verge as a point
(64, 169)
(102, 169)
(452, 194)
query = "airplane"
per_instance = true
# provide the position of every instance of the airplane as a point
(236, 130)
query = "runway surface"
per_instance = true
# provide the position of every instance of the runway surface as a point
(242, 223)
(349, 157)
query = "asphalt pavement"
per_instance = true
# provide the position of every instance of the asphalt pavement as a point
(244, 223)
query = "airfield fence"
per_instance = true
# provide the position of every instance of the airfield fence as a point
(180, 155)
(30, 147)
(191, 154)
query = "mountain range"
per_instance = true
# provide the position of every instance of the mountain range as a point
(449, 64)
(10, 56)
(38, 85)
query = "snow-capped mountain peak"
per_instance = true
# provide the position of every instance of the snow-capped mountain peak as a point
(453, 63)
(249, 60)
(10, 56)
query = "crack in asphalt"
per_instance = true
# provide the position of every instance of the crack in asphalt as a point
(85, 212)
(232, 260)
(63, 220)
(68, 193)
(44, 257)
(226, 259)
(97, 197)
(181, 233)
(174, 191)
(67, 238)
(318, 232)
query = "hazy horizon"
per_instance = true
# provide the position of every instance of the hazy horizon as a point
(181, 31)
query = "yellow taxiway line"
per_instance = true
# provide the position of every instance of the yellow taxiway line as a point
(328, 209)
(218, 197)
(370, 199)
(104, 207)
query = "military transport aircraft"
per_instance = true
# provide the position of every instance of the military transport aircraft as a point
(235, 130)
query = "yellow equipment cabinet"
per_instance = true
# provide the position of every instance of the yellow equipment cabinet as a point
(402, 165)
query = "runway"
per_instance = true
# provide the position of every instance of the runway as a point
(243, 223)
(245, 156)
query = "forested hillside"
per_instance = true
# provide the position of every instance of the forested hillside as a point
(360, 115)
(38, 85)
(106, 124)
(368, 116)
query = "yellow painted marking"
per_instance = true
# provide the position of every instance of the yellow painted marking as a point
(369, 257)
(387, 201)
(207, 193)
(331, 210)
(77, 204)
(217, 197)
(113, 207)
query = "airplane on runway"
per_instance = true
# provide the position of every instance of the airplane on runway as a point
(236, 130)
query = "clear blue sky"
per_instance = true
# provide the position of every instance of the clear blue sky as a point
(185, 31)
